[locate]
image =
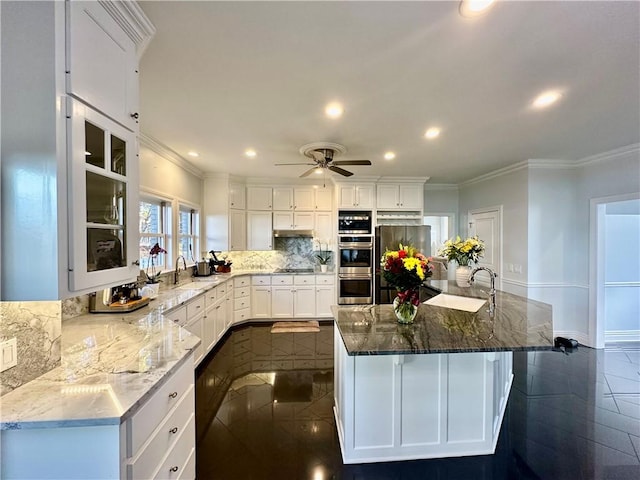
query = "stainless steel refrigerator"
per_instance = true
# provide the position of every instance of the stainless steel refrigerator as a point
(389, 238)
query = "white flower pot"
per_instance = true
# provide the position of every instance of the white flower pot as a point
(323, 268)
(462, 276)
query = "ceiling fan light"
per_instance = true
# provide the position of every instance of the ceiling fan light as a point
(318, 171)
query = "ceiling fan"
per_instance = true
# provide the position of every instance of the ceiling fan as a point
(322, 154)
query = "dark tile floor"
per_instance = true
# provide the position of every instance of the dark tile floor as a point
(264, 411)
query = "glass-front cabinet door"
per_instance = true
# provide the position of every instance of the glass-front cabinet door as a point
(103, 201)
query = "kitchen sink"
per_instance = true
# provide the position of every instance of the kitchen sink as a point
(196, 285)
(455, 302)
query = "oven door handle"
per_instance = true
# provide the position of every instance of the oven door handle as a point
(356, 246)
(355, 276)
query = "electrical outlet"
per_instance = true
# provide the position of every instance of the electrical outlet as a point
(517, 268)
(8, 354)
(509, 267)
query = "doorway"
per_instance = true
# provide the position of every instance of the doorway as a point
(614, 283)
(486, 223)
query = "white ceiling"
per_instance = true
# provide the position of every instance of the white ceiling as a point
(221, 77)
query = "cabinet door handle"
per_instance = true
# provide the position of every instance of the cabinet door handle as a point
(174, 469)
(136, 262)
(173, 394)
(135, 115)
(174, 430)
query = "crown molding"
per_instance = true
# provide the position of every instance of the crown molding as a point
(132, 20)
(168, 154)
(403, 179)
(496, 173)
(435, 187)
(610, 155)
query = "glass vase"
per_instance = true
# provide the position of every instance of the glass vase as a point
(405, 311)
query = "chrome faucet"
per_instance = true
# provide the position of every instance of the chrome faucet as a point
(176, 274)
(492, 292)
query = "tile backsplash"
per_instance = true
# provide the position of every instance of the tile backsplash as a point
(37, 327)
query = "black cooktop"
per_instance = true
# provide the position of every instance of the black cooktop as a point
(294, 270)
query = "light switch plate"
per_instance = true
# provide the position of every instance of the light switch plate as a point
(8, 354)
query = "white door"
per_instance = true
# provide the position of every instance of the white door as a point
(486, 225)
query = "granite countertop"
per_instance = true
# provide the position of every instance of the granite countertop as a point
(518, 324)
(111, 363)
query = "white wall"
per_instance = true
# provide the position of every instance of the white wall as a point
(440, 198)
(508, 189)
(160, 174)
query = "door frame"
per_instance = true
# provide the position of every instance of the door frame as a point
(499, 210)
(597, 264)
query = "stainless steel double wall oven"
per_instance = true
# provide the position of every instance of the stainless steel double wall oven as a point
(355, 258)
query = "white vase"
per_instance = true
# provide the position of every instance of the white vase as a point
(150, 290)
(323, 268)
(462, 276)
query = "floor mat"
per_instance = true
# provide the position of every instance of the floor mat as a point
(294, 327)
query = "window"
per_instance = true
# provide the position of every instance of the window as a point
(155, 221)
(440, 226)
(188, 233)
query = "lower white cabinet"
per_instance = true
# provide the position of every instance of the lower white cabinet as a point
(281, 301)
(261, 301)
(156, 442)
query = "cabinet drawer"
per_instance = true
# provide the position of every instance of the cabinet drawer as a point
(221, 290)
(163, 439)
(304, 280)
(145, 421)
(177, 315)
(240, 303)
(210, 297)
(241, 282)
(230, 284)
(325, 280)
(282, 280)
(195, 307)
(176, 463)
(240, 292)
(261, 280)
(241, 315)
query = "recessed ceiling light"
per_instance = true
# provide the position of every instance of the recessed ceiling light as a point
(389, 156)
(432, 133)
(546, 98)
(250, 153)
(193, 154)
(473, 8)
(334, 110)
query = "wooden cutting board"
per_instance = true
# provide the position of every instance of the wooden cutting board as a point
(130, 306)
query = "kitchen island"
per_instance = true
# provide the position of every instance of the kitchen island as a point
(435, 388)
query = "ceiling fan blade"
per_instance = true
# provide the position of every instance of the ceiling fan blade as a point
(281, 164)
(308, 172)
(339, 170)
(352, 162)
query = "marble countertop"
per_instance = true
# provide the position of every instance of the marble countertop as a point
(518, 324)
(111, 363)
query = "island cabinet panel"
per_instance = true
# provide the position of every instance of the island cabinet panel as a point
(413, 406)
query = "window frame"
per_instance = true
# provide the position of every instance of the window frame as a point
(165, 225)
(194, 230)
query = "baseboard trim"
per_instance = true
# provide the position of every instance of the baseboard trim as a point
(618, 336)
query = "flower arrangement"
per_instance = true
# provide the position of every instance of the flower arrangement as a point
(323, 256)
(405, 269)
(154, 277)
(464, 252)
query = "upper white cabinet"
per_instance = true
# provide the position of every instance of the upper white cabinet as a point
(289, 198)
(259, 230)
(323, 198)
(356, 195)
(293, 220)
(101, 62)
(237, 196)
(390, 196)
(237, 230)
(104, 200)
(259, 198)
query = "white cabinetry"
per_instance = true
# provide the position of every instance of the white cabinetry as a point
(325, 295)
(408, 196)
(293, 220)
(323, 198)
(290, 198)
(259, 198)
(237, 230)
(101, 62)
(195, 324)
(259, 230)
(261, 296)
(242, 299)
(323, 226)
(356, 195)
(103, 217)
(237, 197)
